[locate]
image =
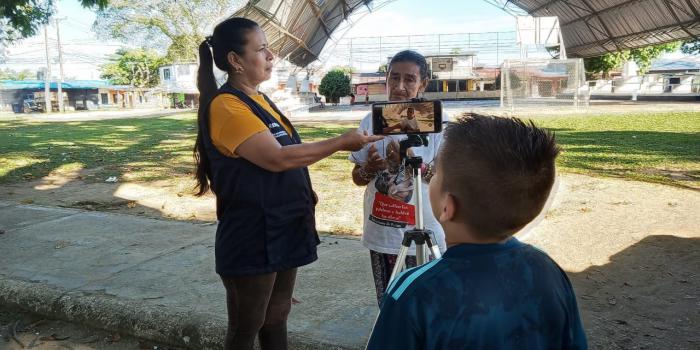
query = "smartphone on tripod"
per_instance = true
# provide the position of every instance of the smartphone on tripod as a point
(407, 117)
(415, 119)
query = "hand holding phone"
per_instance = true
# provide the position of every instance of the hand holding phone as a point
(375, 162)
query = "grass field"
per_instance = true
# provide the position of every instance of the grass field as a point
(660, 148)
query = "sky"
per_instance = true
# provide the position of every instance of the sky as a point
(417, 18)
(84, 52)
(404, 17)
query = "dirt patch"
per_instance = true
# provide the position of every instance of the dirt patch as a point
(20, 330)
(158, 199)
(631, 250)
(645, 298)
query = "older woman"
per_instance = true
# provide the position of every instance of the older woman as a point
(253, 160)
(388, 183)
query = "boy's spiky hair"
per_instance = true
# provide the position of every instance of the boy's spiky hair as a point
(500, 170)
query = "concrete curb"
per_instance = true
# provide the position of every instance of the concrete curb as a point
(106, 312)
(160, 324)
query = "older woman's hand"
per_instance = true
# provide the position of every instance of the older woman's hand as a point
(354, 141)
(393, 156)
(375, 162)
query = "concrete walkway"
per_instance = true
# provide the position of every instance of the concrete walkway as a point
(155, 279)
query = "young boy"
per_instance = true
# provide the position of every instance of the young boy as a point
(488, 291)
(409, 123)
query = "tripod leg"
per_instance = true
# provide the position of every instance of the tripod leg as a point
(436, 251)
(400, 262)
(433, 247)
(420, 254)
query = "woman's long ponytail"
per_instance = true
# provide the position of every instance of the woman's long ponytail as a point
(228, 36)
(206, 84)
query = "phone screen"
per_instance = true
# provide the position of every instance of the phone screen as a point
(391, 118)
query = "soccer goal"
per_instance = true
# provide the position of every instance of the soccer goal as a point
(543, 83)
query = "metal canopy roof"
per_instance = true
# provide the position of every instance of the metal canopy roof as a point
(594, 27)
(298, 29)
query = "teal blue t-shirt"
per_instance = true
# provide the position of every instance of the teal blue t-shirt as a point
(481, 296)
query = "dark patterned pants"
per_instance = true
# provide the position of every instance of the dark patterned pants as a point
(258, 306)
(382, 265)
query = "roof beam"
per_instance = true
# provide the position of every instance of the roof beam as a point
(598, 13)
(331, 18)
(605, 32)
(678, 7)
(543, 6)
(284, 31)
(692, 8)
(344, 7)
(319, 17)
(602, 23)
(588, 9)
(508, 6)
(671, 9)
(623, 37)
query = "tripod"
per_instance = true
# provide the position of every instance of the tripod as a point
(419, 235)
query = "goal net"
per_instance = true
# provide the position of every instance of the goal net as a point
(543, 83)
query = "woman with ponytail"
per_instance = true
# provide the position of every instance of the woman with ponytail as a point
(251, 157)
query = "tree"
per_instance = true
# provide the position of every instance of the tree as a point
(137, 68)
(10, 74)
(614, 60)
(691, 47)
(605, 63)
(515, 82)
(645, 55)
(21, 18)
(455, 51)
(382, 68)
(334, 85)
(178, 26)
(348, 70)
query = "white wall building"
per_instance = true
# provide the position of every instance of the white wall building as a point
(452, 66)
(178, 78)
(665, 77)
(680, 76)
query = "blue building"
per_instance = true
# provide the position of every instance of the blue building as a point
(20, 95)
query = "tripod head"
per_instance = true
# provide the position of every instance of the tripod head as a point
(413, 140)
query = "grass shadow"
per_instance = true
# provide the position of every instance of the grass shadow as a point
(145, 149)
(664, 157)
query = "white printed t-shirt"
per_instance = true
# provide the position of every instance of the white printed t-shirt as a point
(409, 124)
(389, 198)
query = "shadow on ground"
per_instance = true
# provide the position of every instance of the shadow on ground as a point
(647, 297)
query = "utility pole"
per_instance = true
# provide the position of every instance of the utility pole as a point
(47, 77)
(381, 60)
(498, 48)
(60, 60)
(60, 65)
